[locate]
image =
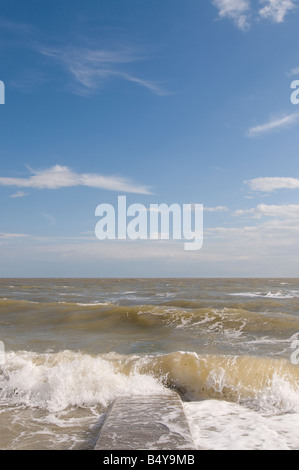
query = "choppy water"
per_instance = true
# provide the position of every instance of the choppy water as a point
(228, 346)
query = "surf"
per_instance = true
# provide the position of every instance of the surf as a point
(56, 381)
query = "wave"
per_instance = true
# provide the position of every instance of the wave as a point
(280, 294)
(103, 315)
(56, 381)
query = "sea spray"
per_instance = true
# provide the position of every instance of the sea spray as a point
(56, 381)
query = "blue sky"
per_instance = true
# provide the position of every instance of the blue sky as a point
(162, 101)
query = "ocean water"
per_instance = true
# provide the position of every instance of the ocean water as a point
(229, 347)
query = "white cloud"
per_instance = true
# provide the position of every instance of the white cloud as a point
(285, 211)
(242, 12)
(62, 177)
(91, 68)
(237, 10)
(273, 124)
(18, 194)
(269, 184)
(12, 236)
(216, 209)
(50, 218)
(294, 71)
(276, 10)
(251, 251)
(210, 209)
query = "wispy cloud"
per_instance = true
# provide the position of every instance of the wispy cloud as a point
(91, 68)
(18, 194)
(276, 10)
(50, 218)
(216, 209)
(12, 236)
(62, 177)
(266, 246)
(237, 10)
(285, 211)
(272, 125)
(16, 27)
(294, 71)
(270, 184)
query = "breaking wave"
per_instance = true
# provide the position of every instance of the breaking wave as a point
(56, 381)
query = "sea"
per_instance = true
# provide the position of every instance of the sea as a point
(70, 347)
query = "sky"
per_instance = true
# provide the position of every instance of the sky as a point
(169, 101)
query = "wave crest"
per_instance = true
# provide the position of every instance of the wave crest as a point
(55, 381)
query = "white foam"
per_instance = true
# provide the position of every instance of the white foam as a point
(268, 340)
(92, 304)
(221, 425)
(57, 381)
(88, 304)
(288, 294)
(165, 294)
(260, 418)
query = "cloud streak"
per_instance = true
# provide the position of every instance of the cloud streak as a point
(92, 68)
(284, 211)
(18, 194)
(216, 209)
(13, 236)
(62, 177)
(270, 184)
(294, 71)
(272, 125)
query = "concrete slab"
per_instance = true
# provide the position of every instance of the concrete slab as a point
(155, 422)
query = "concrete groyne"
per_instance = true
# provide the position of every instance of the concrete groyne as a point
(155, 422)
